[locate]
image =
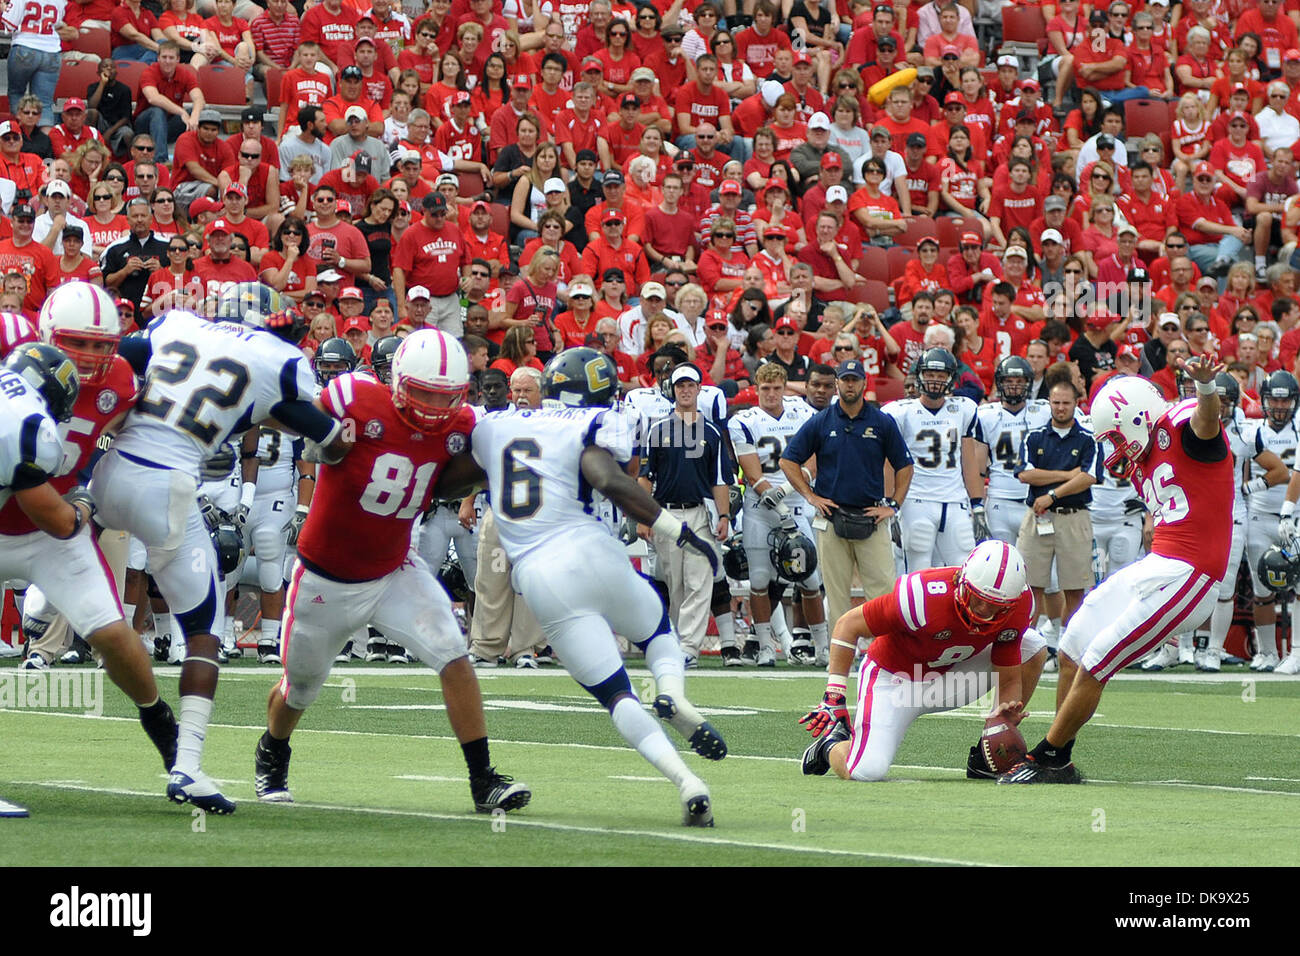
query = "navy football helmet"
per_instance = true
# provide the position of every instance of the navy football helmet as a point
(334, 358)
(51, 373)
(258, 306)
(792, 553)
(1013, 376)
(381, 358)
(581, 378)
(932, 361)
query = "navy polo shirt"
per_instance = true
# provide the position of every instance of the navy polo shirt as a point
(685, 461)
(851, 453)
(1044, 448)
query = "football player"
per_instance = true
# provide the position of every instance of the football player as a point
(204, 381)
(1270, 471)
(335, 357)
(938, 641)
(1277, 433)
(49, 541)
(575, 576)
(1119, 519)
(759, 435)
(1182, 468)
(943, 434)
(372, 575)
(15, 330)
(1003, 428)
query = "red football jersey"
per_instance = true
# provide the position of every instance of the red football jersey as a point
(359, 525)
(15, 330)
(917, 626)
(1186, 496)
(96, 406)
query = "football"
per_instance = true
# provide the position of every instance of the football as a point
(1002, 744)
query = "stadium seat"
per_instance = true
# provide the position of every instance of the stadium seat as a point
(93, 40)
(500, 218)
(950, 229)
(223, 89)
(274, 80)
(471, 184)
(1023, 25)
(899, 257)
(1145, 116)
(129, 72)
(75, 77)
(887, 389)
(917, 228)
(873, 292)
(873, 263)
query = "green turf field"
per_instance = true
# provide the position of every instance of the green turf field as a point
(1184, 770)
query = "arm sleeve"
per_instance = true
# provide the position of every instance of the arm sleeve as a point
(1206, 450)
(137, 350)
(306, 419)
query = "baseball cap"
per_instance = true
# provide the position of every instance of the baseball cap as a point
(343, 207)
(480, 206)
(1207, 281)
(772, 230)
(1291, 55)
(355, 113)
(592, 63)
(1007, 59)
(217, 225)
(1127, 351)
(203, 204)
(1104, 141)
(1054, 203)
(771, 91)
(356, 322)
(351, 73)
(447, 179)
(924, 239)
(954, 98)
(629, 99)
(881, 132)
(916, 140)
(925, 71)
(586, 155)
(850, 369)
(831, 160)
(1238, 116)
(612, 217)
(417, 292)
(74, 103)
(408, 156)
(1203, 169)
(361, 40)
(819, 120)
(460, 98)
(613, 178)
(729, 187)
(9, 126)
(803, 59)
(251, 116)
(1169, 318)
(971, 239)
(949, 50)
(615, 274)
(785, 322)
(351, 292)
(554, 185)
(837, 194)
(329, 275)
(1029, 84)
(643, 73)
(1051, 235)
(1138, 274)
(1102, 318)
(522, 81)
(1128, 227)
(209, 116)
(1026, 116)
(22, 210)
(685, 373)
(582, 288)
(57, 187)
(776, 184)
(74, 232)
(684, 158)
(653, 290)
(1017, 252)
(434, 202)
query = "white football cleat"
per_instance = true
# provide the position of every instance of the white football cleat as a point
(1264, 662)
(1207, 660)
(1163, 659)
(697, 805)
(766, 657)
(1291, 665)
(200, 790)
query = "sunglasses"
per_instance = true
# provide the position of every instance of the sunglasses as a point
(144, 149)
(1101, 176)
(98, 198)
(195, 245)
(1074, 272)
(722, 41)
(842, 348)
(724, 235)
(1200, 328)
(787, 332)
(180, 249)
(115, 179)
(1172, 246)
(325, 198)
(1205, 179)
(250, 155)
(677, 285)
(481, 275)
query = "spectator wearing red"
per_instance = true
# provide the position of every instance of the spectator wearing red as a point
(484, 13)
(702, 103)
(429, 255)
(334, 243)
(377, 65)
(618, 59)
(1237, 161)
(722, 263)
(260, 180)
(728, 207)
(1151, 213)
(24, 170)
(610, 250)
(1276, 30)
(218, 270)
(1213, 237)
(972, 269)
(954, 115)
(173, 285)
(786, 126)
(352, 94)
(21, 254)
(900, 122)
(459, 137)
(135, 33)
(923, 273)
(287, 267)
(1101, 62)
(332, 26)
(802, 86)
(614, 187)
(580, 320)
(73, 131)
(581, 127)
(667, 63)
(160, 108)
(758, 44)
(1015, 205)
(833, 262)
(199, 158)
(669, 230)
(275, 35)
(910, 334)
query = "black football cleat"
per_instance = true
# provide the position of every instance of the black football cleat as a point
(976, 768)
(817, 758)
(703, 737)
(496, 791)
(697, 810)
(1030, 770)
(271, 773)
(163, 731)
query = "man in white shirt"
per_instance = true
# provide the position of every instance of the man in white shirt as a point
(48, 230)
(1277, 127)
(631, 324)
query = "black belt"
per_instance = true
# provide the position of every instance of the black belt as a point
(678, 505)
(145, 461)
(1065, 511)
(452, 503)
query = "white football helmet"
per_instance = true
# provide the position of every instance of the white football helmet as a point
(1125, 411)
(76, 312)
(435, 363)
(994, 572)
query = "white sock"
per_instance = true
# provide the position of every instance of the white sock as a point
(1054, 632)
(128, 612)
(1187, 641)
(726, 629)
(820, 636)
(780, 628)
(1266, 635)
(763, 634)
(271, 633)
(228, 637)
(1259, 262)
(195, 714)
(643, 732)
(1220, 621)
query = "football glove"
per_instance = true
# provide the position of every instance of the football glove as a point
(220, 464)
(240, 517)
(826, 715)
(295, 524)
(689, 539)
(896, 533)
(80, 495)
(1288, 534)
(774, 495)
(209, 512)
(980, 524)
(1254, 486)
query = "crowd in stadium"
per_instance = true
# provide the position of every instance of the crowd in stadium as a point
(1099, 190)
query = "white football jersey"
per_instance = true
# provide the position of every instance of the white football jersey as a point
(652, 405)
(1111, 494)
(29, 438)
(755, 431)
(934, 438)
(276, 455)
(206, 381)
(1240, 432)
(532, 459)
(1004, 433)
(1281, 442)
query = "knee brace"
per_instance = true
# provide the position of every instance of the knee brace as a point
(720, 603)
(612, 689)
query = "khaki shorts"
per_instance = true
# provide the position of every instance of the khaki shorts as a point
(1070, 543)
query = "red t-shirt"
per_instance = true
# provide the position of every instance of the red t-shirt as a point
(230, 36)
(430, 258)
(702, 107)
(1190, 208)
(176, 87)
(330, 30)
(213, 157)
(760, 51)
(38, 265)
(144, 21)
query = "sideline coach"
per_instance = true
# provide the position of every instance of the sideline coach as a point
(852, 442)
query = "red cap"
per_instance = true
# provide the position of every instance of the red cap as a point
(1239, 88)
(480, 206)
(1291, 55)
(1126, 351)
(1030, 84)
(785, 322)
(74, 103)
(361, 40)
(217, 225)
(802, 59)
(831, 160)
(522, 80)
(343, 206)
(772, 230)
(356, 322)
(925, 239)
(460, 98)
(777, 184)
(971, 239)
(1238, 114)
(950, 49)
(351, 292)
(729, 187)
(954, 97)
(612, 215)
(124, 304)
(237, 189)
(1102, 318)
(1203, 169)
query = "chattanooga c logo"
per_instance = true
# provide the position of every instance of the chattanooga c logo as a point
(456, 443)
(106, 401)
(1162, 439)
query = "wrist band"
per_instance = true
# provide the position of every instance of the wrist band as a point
(667, 524)
(246, 494)
(1205, 388)
(1288, 509)
(833, 687)
(838, 643)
